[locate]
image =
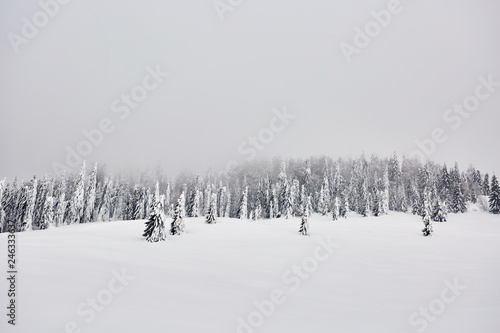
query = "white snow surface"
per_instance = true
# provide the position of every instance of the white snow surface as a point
(207, 280)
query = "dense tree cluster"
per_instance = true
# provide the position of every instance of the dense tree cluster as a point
(258, 190)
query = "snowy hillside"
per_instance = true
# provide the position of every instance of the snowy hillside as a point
(354, 275)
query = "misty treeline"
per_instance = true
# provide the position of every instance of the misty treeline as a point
(255, 190)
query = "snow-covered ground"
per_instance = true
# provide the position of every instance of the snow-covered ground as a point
(355, 275)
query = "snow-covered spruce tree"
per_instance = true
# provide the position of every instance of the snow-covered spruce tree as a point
(212, 210)
(458, 200)
(194, 203)
(295, 197)
(486, 184)
(258, 210)
(148, 199)
(321, 202)
(138, 203)
(60, 203)
(47, 219)
(227, 210)
(439, 213)
(243, 208)
(78, 198)
(90, 196)
(325, 188)
(364, 201)
(206, 196)
(177, 225)
(221, 201)
(286, 208)
(384, 204)
(41, 195)
(304, 224)
(376, 203)
(302, 199)
(336, 209)
(494, 198)
(344, 205)
(416, 201)
(167, 200)
(105, 202)
(26, 222)
(155, 226)
(401, 204)
(426, 215)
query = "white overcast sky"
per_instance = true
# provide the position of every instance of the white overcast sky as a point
(227, 76)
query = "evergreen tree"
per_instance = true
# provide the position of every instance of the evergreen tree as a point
(41, 195)
(364, 200)
(138, 203)
(207, 196)
(286, 200)
(304, 225)
(426, 216)
(221, 201)
(90, 196)
(155, 226)
(303, 199)
(322, 201)
(177, 226)
(458, 200)
(26, 206)
(384, 204)
(494, 198)
(344, 205)
(376, 204)
(167, 199)
(486, 185)
(295, 197)
(194, 203)
(77, 200)
(243, 208)
(48, 214)
(227, 210)
(336, 209)
(104, 212)
(212, 210)
(60, 206)
(439, 213)
(258, 210)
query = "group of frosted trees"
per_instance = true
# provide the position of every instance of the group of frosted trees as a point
(259, 190)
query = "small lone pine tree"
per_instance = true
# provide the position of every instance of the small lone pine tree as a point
(212, 210)
(177, 225)
(494, 198)
(155, 226)
(304, 225)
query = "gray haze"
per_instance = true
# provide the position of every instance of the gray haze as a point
(227, 76)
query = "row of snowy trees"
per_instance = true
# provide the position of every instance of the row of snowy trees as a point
(257, 190)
